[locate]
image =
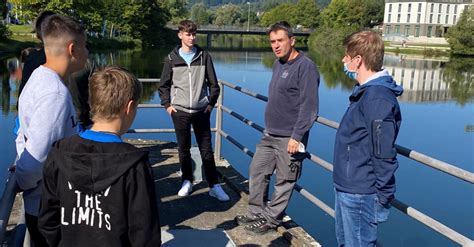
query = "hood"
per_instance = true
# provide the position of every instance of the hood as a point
(175, 53)
(92, 166)
(382, 78)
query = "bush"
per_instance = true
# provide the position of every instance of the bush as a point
(4, 31)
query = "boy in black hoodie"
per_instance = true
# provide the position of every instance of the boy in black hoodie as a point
(97, 190)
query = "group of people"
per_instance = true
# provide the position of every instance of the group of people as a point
(86, 187)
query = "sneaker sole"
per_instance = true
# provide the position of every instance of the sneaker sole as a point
(211, 195)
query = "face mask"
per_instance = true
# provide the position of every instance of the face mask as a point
(350, 74)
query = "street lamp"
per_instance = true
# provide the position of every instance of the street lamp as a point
(248, 18)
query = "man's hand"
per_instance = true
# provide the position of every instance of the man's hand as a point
(208, 109)
(293, 146)
(170, 110)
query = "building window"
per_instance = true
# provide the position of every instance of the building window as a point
(454, 19)
(399, 7)
(398, 18)
(455, 9)
(417, 31)
(390, 8)
(389, 17)
(447, 8)
(408, 18)
(387, 29)
(407, 31)
(439, 8)
(409, 7)
(446, 20)
(419, 7)
(432, 8)
(418, 18)
(439, 19)
(431, 18)
(430, 29)
(397, 29)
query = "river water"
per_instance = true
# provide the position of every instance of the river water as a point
(438, 120)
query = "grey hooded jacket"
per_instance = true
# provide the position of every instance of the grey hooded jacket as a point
(189, 88)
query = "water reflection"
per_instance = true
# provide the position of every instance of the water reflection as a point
(423, 79)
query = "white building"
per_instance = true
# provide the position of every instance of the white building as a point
(424, 18)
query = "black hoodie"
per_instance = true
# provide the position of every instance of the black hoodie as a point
(98, 194)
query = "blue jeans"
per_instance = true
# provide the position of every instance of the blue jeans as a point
(357, 217)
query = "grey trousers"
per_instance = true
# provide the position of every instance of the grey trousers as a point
(271, 155)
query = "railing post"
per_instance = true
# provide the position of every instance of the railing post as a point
(218, 141)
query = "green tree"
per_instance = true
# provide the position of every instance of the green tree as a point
(283, 12)
(460, 35)
(229, 14)
(306, 13)
(199, 14)
(177, 10)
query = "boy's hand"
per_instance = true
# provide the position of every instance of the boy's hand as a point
(208, 109)
(293, 146)
(170, 110)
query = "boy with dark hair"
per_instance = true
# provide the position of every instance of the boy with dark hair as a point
(98, 190)
(364, 153)
(76, 82)
(46, 111)
(189, 90)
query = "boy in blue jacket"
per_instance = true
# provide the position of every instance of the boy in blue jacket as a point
(365, 155)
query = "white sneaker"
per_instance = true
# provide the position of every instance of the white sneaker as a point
(186, 188)
(217, 192)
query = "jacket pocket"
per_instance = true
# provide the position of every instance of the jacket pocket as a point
(383, 138)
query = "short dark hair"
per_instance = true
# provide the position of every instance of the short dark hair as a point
(281, 25)
(39, 20)
(187, 26)
(58, 26)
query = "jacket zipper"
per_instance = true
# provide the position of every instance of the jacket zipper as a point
(190, 81)
(378, 132)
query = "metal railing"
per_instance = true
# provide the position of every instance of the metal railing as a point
(12, 188)
(411, 154)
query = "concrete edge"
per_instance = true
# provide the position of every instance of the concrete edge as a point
(289, 229)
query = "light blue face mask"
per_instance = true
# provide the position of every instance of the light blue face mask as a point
(350, 74)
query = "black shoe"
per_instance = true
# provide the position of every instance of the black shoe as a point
(245, 220)
(259, 227)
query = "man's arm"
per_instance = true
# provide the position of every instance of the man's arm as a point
(383, 130)
(164, 86)
(49, 216)
(143, 218)
(211, 77)
(46, 126)
(309, 100)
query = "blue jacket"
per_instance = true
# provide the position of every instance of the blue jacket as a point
(364, 154)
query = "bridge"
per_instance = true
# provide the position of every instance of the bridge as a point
(209, 30)
(198, 218)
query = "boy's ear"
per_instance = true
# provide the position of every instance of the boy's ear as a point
(131, 105)
(70, 48)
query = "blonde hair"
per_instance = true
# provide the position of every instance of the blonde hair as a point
(110, 89)
(369, 45)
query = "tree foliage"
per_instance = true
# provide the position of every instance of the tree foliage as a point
(460, 36)
(200, 14)
(229, 14)
(137, 19)
(303, 12)
(356, 13)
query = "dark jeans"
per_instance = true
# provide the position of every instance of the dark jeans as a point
(357, 218)
(202, 131)
(37, 239)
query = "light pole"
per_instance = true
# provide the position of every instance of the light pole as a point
(248, 18)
